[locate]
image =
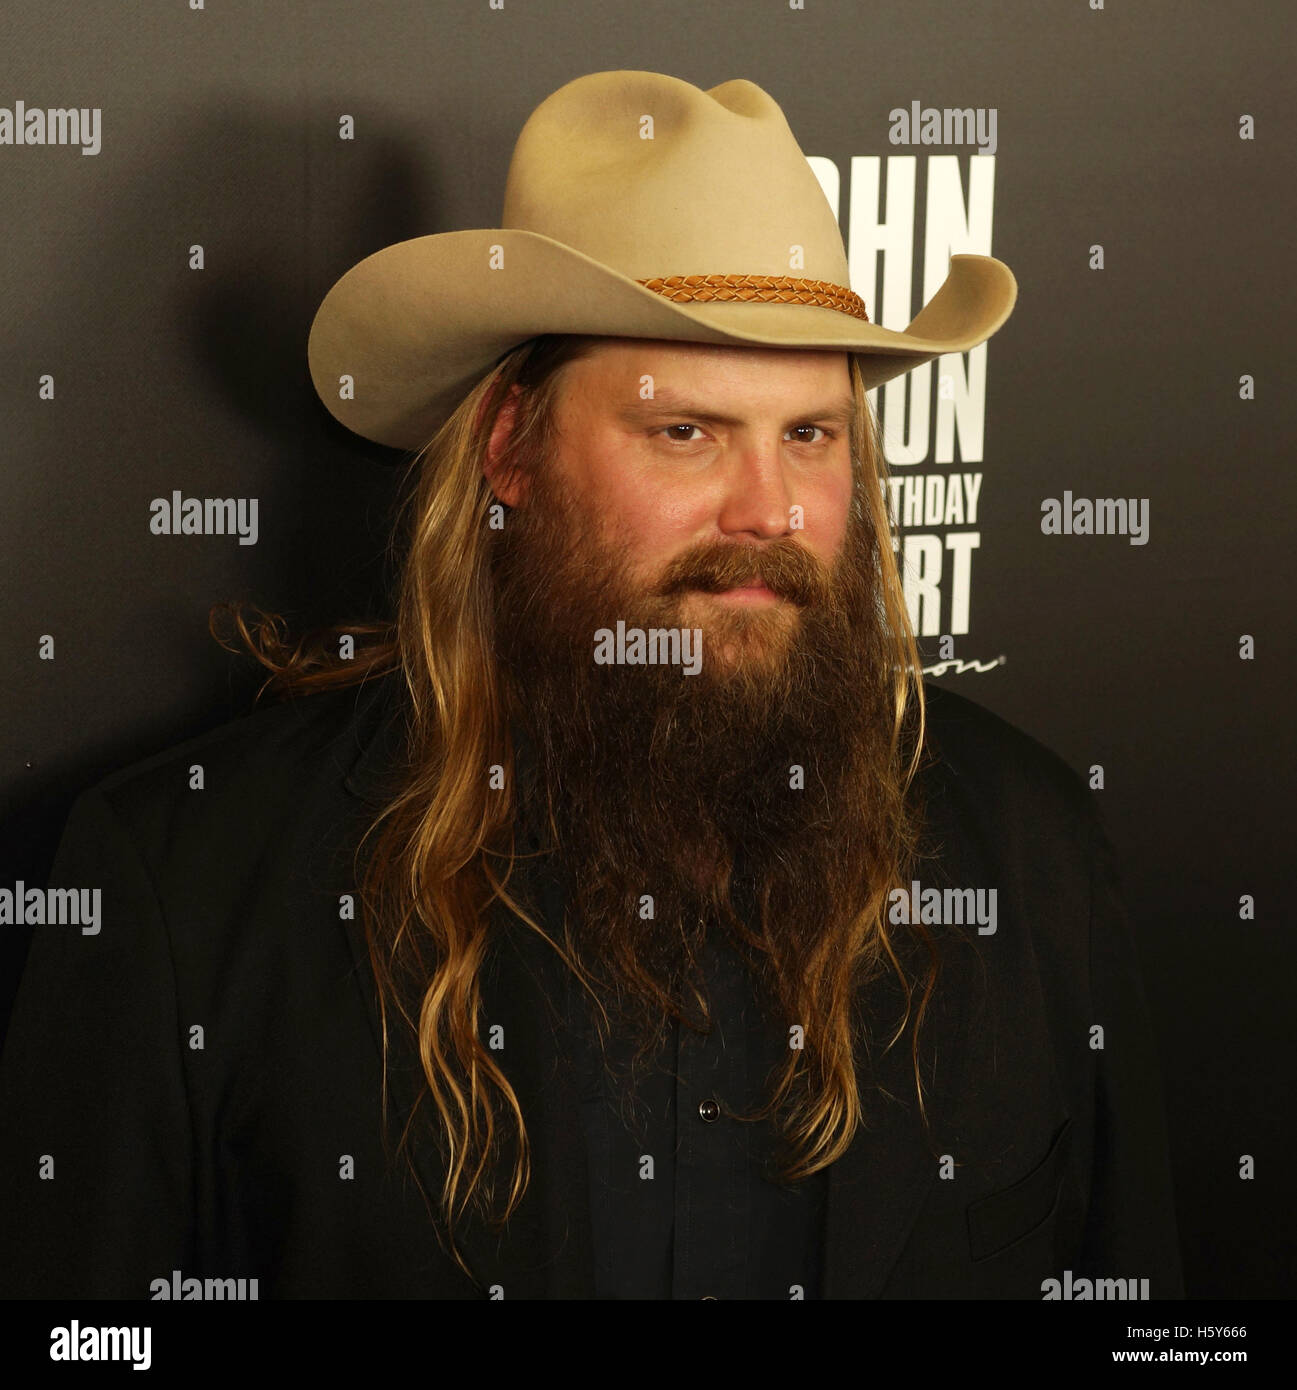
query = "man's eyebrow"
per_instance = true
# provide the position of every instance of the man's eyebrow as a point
(668, 405)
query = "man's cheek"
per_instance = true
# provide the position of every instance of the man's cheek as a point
(825, 540)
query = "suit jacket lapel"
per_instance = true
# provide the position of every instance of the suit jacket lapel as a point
(546, 1251)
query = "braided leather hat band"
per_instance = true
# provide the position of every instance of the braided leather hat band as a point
(779, 289)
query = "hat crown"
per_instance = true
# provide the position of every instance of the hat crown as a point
(653, 176)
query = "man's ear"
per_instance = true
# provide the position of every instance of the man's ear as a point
(507, 484)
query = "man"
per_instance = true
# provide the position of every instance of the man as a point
(641, 926)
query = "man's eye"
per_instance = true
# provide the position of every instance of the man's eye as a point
(803, 430)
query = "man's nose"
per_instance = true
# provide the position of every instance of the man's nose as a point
(757, 500)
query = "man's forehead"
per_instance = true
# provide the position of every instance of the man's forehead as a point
(677, 375)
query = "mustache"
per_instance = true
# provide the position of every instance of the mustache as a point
(784, 566)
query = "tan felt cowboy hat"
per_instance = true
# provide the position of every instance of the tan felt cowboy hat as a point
(638, 206)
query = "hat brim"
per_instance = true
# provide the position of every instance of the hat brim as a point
(414, 326)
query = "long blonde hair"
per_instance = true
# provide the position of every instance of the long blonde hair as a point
(439, 854)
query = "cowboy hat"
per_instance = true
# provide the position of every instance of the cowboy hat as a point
(637, 206)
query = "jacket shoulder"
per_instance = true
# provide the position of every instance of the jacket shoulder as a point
(1001, 784)
(275, 758)
(982, 752)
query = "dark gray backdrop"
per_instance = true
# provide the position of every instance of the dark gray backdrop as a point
(1117, 126)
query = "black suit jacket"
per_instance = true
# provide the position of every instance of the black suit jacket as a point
(202, 1077)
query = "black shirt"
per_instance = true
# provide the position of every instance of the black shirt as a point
(683, 1201)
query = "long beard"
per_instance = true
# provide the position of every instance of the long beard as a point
(757, 797)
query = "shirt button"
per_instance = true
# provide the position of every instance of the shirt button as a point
(709, 1110)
